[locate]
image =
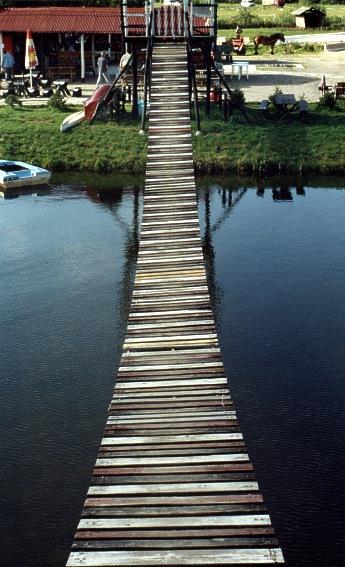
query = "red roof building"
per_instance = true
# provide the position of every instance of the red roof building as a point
(62, 29)
(61, 20)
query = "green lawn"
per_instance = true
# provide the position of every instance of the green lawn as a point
(281, 19)
(318, 144)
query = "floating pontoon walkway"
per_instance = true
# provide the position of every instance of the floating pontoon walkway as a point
(172, 483)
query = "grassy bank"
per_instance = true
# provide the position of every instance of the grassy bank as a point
(33, 135)
(316, 145)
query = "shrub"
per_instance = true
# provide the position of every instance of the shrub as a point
(328, 100)
(57, 101)
(276, 92)
(245, 18)
(334, 22)
(101, 165)
(237, 98)
(12, 100)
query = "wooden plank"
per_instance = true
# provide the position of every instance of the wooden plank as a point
(178, 501)
(154, 439)
(140, 461)
(179, 543)
(234, 471)
(168, 416)
(187, 488)
(177, 522)
(184, 557)
(175, 511)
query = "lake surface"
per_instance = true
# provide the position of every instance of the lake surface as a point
(275, 260)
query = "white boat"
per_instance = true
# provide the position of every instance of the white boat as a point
(72, 120)
(19, 174)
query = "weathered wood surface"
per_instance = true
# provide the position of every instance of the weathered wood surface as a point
(172, 484)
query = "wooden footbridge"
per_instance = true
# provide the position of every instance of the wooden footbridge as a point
(172, 484)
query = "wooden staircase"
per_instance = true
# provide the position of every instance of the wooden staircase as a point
(172, 484)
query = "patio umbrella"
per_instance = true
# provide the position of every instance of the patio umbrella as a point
(31, 60)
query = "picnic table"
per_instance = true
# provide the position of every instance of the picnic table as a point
(21, 87)
(284, 105)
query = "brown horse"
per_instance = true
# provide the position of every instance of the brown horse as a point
(267, 40)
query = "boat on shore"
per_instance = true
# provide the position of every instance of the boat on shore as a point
(15, 174)
(72, 120)
(90, 106)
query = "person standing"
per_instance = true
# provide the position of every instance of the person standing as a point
(8, 65)
(102, 64)
(238, 32)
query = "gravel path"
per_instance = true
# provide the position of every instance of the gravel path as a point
(299, 75)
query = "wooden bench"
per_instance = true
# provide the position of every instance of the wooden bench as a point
(339, 90)
(263, 108)
(61, 72)
(264, 105)
(302, 108)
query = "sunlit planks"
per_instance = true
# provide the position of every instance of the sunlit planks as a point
(172, 483)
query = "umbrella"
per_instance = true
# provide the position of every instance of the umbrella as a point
(31, 60)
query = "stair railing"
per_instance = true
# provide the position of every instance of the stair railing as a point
(147, 72)
(191, 70)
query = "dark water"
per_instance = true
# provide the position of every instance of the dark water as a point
(277, 274)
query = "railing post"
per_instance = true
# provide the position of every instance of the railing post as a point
(191, 69)
(135, 81)
(185, 12)
(124, 23)
(215, 25)
(153, 23)
(208, 80)
(191, 19)
(146, 19)
(148, 66)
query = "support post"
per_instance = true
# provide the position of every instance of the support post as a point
(82, 57)
(1, 49)
(109, 45)
(135, 81)
(93, 55)
(124, 20)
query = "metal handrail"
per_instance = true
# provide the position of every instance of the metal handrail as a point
(147, 72)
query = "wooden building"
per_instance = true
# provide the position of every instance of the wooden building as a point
(309, 17)
(67, 39)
